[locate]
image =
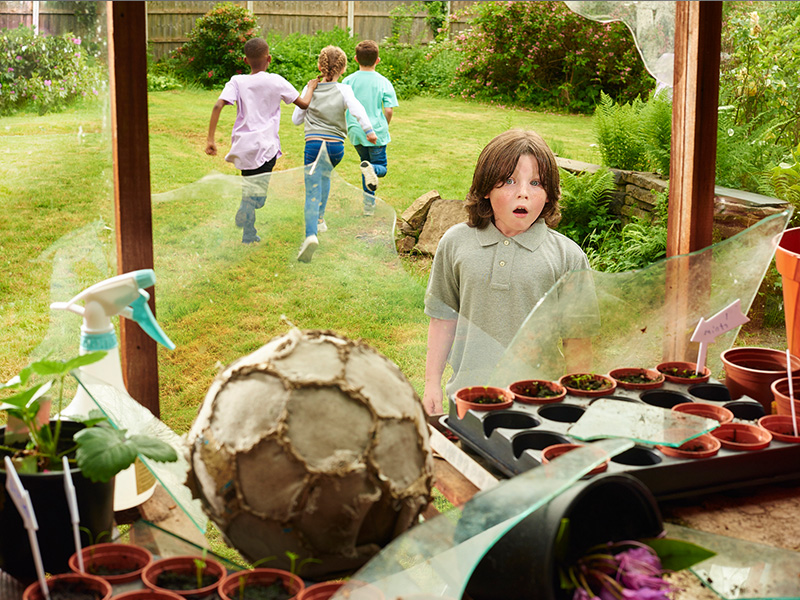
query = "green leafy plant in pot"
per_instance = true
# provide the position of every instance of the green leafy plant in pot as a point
(36, 444)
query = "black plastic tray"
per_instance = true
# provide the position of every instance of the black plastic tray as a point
(513, 440)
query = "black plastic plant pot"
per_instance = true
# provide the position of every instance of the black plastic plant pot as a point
(56, 542)
(523, 564)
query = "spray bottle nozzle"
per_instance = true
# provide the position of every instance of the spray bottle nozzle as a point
(121, 295)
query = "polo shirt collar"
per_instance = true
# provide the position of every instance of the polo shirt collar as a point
(530, 240)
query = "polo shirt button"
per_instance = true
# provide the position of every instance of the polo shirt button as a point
(502, 263)
(505, 242)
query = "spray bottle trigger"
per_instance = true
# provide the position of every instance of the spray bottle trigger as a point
(144, 317)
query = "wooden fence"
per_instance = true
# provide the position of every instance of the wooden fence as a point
(169, 23)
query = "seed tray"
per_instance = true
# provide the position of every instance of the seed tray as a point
(512, 440)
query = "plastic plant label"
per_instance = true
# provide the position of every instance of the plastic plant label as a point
(607, 418)
(728, 319)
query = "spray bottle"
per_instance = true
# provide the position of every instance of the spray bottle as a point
(121, 295)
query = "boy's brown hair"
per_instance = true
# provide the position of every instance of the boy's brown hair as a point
(496, 164)
(367, 53)
(256, 48)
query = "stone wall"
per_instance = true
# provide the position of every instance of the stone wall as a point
(422, 224)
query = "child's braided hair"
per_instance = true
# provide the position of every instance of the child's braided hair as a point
(332, 60)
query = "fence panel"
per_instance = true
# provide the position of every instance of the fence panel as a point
(170, 23)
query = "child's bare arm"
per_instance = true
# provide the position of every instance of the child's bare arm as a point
(441, 333)
(211, 145)
(388, 111)
(306, 99)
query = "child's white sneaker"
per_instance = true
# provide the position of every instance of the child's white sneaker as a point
(321, 226)
(370, 178)
(308, 248)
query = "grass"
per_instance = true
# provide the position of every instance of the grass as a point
(217, 299)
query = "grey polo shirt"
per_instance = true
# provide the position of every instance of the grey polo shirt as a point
(490, 283)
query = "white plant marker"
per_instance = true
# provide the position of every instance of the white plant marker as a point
(74, 515)
(724, 321)
(791, 389)
(22, 500)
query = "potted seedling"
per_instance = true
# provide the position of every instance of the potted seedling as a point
(36, 444)
(262, 583)
(482, 398)
(683, 372)
(588, 384)
(537, 391)
(70, 586)
(191, 577)
(117, 563)
(637, 378)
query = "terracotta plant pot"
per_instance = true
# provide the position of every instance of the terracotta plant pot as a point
(708, 411)
(69, 581)
(655, 379)
(116, 563)
(780, 391)
(326, 589)
(469, 398)
(229, 587)
(751, 371)
(526, 391)
(557, 450)
(147, 594)
(742, 436)
(781, 427)
(607, 384)
(787, 260)
(213, 574)
(673, 372)
(703, 446)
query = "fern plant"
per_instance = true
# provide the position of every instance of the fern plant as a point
(617, 127)
(585, 201)
(655, 127)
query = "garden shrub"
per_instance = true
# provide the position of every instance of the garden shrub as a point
(619, 138)
(544, 55)
(585, 203)
(294, 56)
(45, 73)
(656, 130)
(215, 50)
(636, 245)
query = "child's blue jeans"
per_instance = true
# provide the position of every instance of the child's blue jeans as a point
(317, 176)
(255, 183)
(376, 155)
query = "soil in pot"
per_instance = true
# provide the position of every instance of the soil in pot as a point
(482, 398)
(276, 590)
(261, 584)
(637, 378)
(683, 372)
(183, 581)
(588, 384)
(116, 563)
(70, 586)
(537, 391)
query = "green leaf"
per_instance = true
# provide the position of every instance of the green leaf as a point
(676, 555)
(153, 448)
(21, 399)
(103, 452)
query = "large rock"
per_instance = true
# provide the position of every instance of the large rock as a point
(416, 214)
(443, 214)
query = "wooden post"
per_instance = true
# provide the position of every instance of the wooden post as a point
(698, 29)
(127, 57)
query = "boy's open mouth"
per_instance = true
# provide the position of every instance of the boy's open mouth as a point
(520, 211)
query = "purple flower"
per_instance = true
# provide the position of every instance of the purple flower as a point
(47, 82)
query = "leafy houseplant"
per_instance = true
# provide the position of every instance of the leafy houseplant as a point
(36, 444)
(100, 450)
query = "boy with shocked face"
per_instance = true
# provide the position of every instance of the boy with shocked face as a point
(490, 272)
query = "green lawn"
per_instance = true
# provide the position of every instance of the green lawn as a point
(216, 298)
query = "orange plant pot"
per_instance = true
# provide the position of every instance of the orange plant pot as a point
(113, 557)
(742, 436)
(522, 391)
(467, 399)
(556, 450)
(751, 371)
(184, 565)
(707, 411)
(95, 584)
(703, 446)
(667, 367)
(568, 382)
(781, 427)
(656, 379)
(780, 391)
(787, 259)
(229, 586)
